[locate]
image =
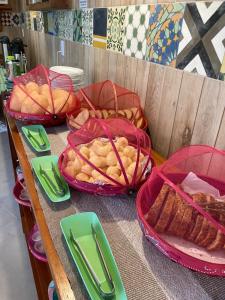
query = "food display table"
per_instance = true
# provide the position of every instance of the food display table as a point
(146, 273)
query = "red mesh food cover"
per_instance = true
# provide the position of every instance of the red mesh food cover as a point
(42, 96)
(182, 208)
(104, 100)
(106, 157)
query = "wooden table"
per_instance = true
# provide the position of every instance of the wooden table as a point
(42, 272)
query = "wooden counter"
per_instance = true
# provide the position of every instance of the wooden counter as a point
(40, 270)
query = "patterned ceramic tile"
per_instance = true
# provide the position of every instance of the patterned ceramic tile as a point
(40, 21)
(164, 33)
(53, 27)
(136, 24)
(77, 26)
(45, 19)
(116, 28)
(202, 48)
(100, 28)
(6, 19)
(22, 19)
(33, 15)
(27, 20)
(87, 26)
(15, 19)
(65, 24)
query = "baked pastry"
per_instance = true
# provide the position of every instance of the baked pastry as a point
(172, 215)
(133, 114)
(100, 154)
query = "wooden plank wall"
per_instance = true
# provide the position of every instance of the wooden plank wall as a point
(182, 108)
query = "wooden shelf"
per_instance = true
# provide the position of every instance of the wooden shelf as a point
(51, 4)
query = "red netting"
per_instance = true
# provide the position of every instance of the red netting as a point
(42, 96)
(106, 157)
(185, 197)
(104, 100)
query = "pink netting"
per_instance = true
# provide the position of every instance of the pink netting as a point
(42, 96)
(185, 198)
(108, 142)
(109, 96)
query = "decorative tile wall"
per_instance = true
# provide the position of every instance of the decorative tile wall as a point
(87, 26)
(116, 28)
(65, 25)
(6, 19)
(77, 26)
(136, 24)
(186, 36)
(100, 28)
(164, 33)
(202, 48)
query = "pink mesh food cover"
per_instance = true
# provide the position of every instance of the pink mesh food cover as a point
(182, 206)
(106, 157)
(104, 100)
(42, 96)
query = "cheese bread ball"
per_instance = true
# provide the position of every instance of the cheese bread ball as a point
(98, 161)
(60, 93)
(71, 154)
(85, 151)
(18, 96)
(129, 151)
(122, 141)
(111, 159)
(102, 150)
(131, 168)
(78, 163)
(126, 161)
(87, 169)
(82, 177)
(70, 170)
(141, 157)
(32, 86)
(60, 105)
(123, 181)
(112, 170)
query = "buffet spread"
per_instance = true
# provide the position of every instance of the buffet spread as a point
(104, 155)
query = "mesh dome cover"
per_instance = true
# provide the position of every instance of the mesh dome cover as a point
(42, 97)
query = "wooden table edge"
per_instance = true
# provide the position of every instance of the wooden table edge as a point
(59, 276)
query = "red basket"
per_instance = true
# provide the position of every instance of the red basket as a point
(131, 171)
(17, 190)
(42, 97)
(185, 244)
(105, 100)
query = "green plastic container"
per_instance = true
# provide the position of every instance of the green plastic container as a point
(80, 224)
(45, 163)
(36, 137)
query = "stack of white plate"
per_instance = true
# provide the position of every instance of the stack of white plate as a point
(76, 74)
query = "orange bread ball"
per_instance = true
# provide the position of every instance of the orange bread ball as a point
(18, 96)
(82, 177)
(32, 86)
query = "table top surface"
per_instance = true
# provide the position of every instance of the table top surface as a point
(146, 273)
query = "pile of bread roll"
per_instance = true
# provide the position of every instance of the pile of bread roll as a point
(101, 154)
(21, 102)
(133, 114)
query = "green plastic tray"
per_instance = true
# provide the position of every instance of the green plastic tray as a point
(45, 162)
(80, 224)
(34, 131)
